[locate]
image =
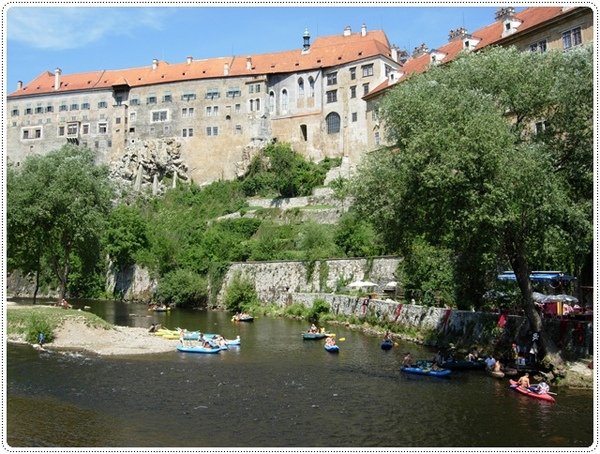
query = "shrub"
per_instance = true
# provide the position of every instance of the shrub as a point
(182, 288)
(241, 294)
(319, 307)
(35, 326)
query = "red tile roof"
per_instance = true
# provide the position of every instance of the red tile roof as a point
(325, 52)
(487, 36)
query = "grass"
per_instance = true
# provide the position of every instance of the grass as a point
(27, 322)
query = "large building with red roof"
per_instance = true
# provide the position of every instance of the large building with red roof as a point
(205, 119)
(535, 29)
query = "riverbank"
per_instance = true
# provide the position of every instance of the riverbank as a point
(80, 331)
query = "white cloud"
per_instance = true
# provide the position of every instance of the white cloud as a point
(70, 28)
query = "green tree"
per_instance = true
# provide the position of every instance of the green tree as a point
(182, 288)
(125, 235)
(67, 198)
(357, 237)
(468, 172)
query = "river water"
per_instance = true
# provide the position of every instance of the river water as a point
(276, 390)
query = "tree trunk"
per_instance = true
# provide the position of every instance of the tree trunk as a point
(547, 348)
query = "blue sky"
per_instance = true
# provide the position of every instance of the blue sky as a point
(79, 39)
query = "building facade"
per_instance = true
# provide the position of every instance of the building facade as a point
(537, 29)
(204, 119)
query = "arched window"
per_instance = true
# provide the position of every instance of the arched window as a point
(311, 87)
(301, 88)
(284, 100)
(333, 123)
(271, 102)
(251, 105)
(257, 105)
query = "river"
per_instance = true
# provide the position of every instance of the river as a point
(275, 390)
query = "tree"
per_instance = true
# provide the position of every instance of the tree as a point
(58, 204)
(468, 171)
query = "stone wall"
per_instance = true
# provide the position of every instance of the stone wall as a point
(132, 284)
(275, 280)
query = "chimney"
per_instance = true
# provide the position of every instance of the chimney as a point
(421, 50)
(505, 13)
(248, 62)
(154, 63)
(394, 53)
(363, 30)
(226, 69)
(57, 73)
(19, 85)
(347, 30)
(189, 60)
(459, 33)
(306, 37)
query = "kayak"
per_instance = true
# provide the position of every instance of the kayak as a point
(314, 335)
(421, 371)
(332, 348)
(246, 318)
(194, 335)
(527, 392)
(387, 344)
(233, 342)
(197, 349)
(463, 365)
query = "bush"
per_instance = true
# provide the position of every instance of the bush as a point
(241, 294)
(296, 310)
(319, 307)
(37, 325)
(182, 288)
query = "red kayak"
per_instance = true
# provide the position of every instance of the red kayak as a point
(547, 397)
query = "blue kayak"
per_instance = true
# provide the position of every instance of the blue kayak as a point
(198, 349)
(194, 335)
(421, 371)
(332, 348)
(387, 344)
(233, 342)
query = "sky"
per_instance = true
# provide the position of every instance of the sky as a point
(79, 39)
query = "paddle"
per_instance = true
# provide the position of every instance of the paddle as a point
(342, 339)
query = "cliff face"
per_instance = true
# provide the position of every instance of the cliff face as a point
(132, 284)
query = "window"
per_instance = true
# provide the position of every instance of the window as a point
(272, 102)
(304, 132)
(377, 139)
(365, 89)
(49, 108)
(85, 129)
(353, 91)
(233, 92)
(301, 88)
(257, 104)
(74, 107)
(254, 88)
(151, 100)
(102, 128)
(571, 38)
(102, 105)
(118, 100)
(132, 117)
(85, 106)
(134, 102)
(187, 112)
(388, 70)
(367, 70)
(212, 111)
(64, 107)
(332, 96)
(29, 110)
(212, 94)
(354, 116)
(212, 130)
(284, 100)
(14, 112)
(72, 129)
(39, 110)
(187, 132)
(238, 129)
(332, 78)
(333, 123)
(353, 73)
(541, 126)
(160, 115)
(238, 107)
(25, 133)
(37, 133)
(191, 96)
(311, 87)
(167, 98)
(118, 120)
(61, 131)
(538, 47)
